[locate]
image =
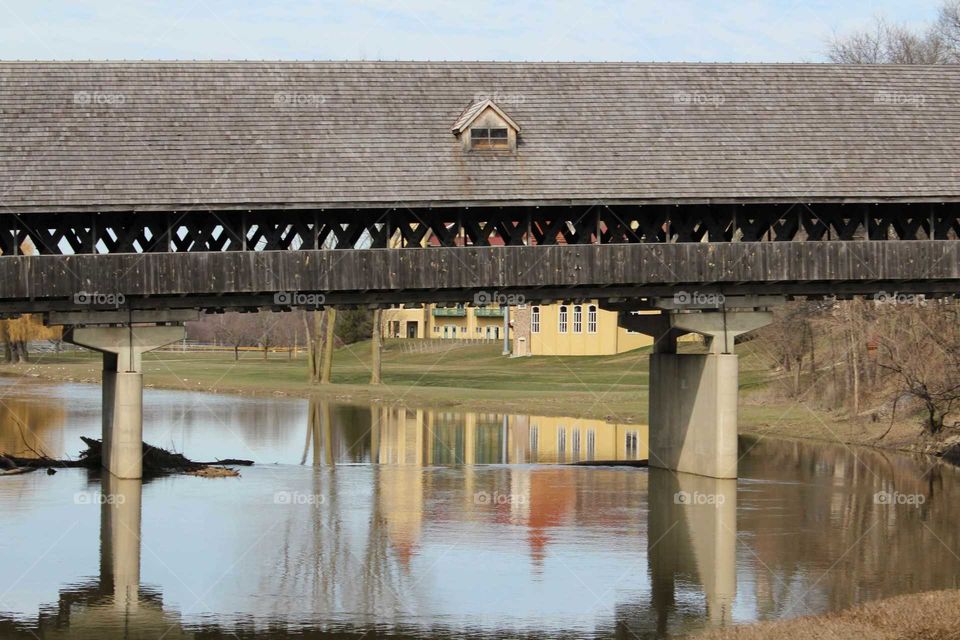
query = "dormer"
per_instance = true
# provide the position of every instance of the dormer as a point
(483, 126)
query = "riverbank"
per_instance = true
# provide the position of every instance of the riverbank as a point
(930, 616)
(479, 378)
(471, 378)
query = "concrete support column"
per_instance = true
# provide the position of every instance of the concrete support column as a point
(122, 349)
(693, 397)
(693, 413)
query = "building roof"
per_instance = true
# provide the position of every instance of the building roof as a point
(474, 110)
(162, 135)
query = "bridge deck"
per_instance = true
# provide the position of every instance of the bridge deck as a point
(220, 280)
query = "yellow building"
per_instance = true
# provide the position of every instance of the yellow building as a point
(460, 322)
(574, 330)
(539, 330)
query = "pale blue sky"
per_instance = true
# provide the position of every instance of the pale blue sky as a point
(707, 30)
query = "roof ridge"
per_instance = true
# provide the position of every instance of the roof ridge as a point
(607, 63)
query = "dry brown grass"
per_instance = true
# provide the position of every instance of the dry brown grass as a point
(934, 615)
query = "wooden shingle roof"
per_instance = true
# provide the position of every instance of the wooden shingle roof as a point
(474, 110)
(162, 135)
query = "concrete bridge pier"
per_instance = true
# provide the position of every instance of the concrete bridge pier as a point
(693, 397)
(122, 348)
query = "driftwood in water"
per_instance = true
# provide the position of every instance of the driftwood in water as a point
(10, 468)
(43, 462)
(156, 461)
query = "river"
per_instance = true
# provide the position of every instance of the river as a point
(394, 522)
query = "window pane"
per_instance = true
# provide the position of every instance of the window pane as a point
(479, 133)
(498, 133)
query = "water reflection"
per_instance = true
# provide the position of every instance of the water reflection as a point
(51, 418)
(434, 541)
(831, 506)
(385, 434)
(112, 604)
(30, 428)
(693, 542)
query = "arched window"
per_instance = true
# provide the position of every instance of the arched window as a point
(563, 319)
(578, 319)
(592, 319)
(535, 320)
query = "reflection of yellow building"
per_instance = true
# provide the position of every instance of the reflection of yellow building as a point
(418, 437)
(567, 440)
(402, 441)
(400, 495)
(540, 330)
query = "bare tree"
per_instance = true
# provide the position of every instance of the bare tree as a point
(948, 29)
(886, 43)
(920, 346)
(376, 340)
(326, 368)
(313, 325)
(236, 330)
(790, 337)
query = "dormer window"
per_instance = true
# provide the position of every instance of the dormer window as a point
(489, 138)
(483, 126)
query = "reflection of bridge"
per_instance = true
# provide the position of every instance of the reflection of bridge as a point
(113, 605)
(167, 188)
(690, 554)
(682, 554)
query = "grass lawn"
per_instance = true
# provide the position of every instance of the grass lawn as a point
(475, 377)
